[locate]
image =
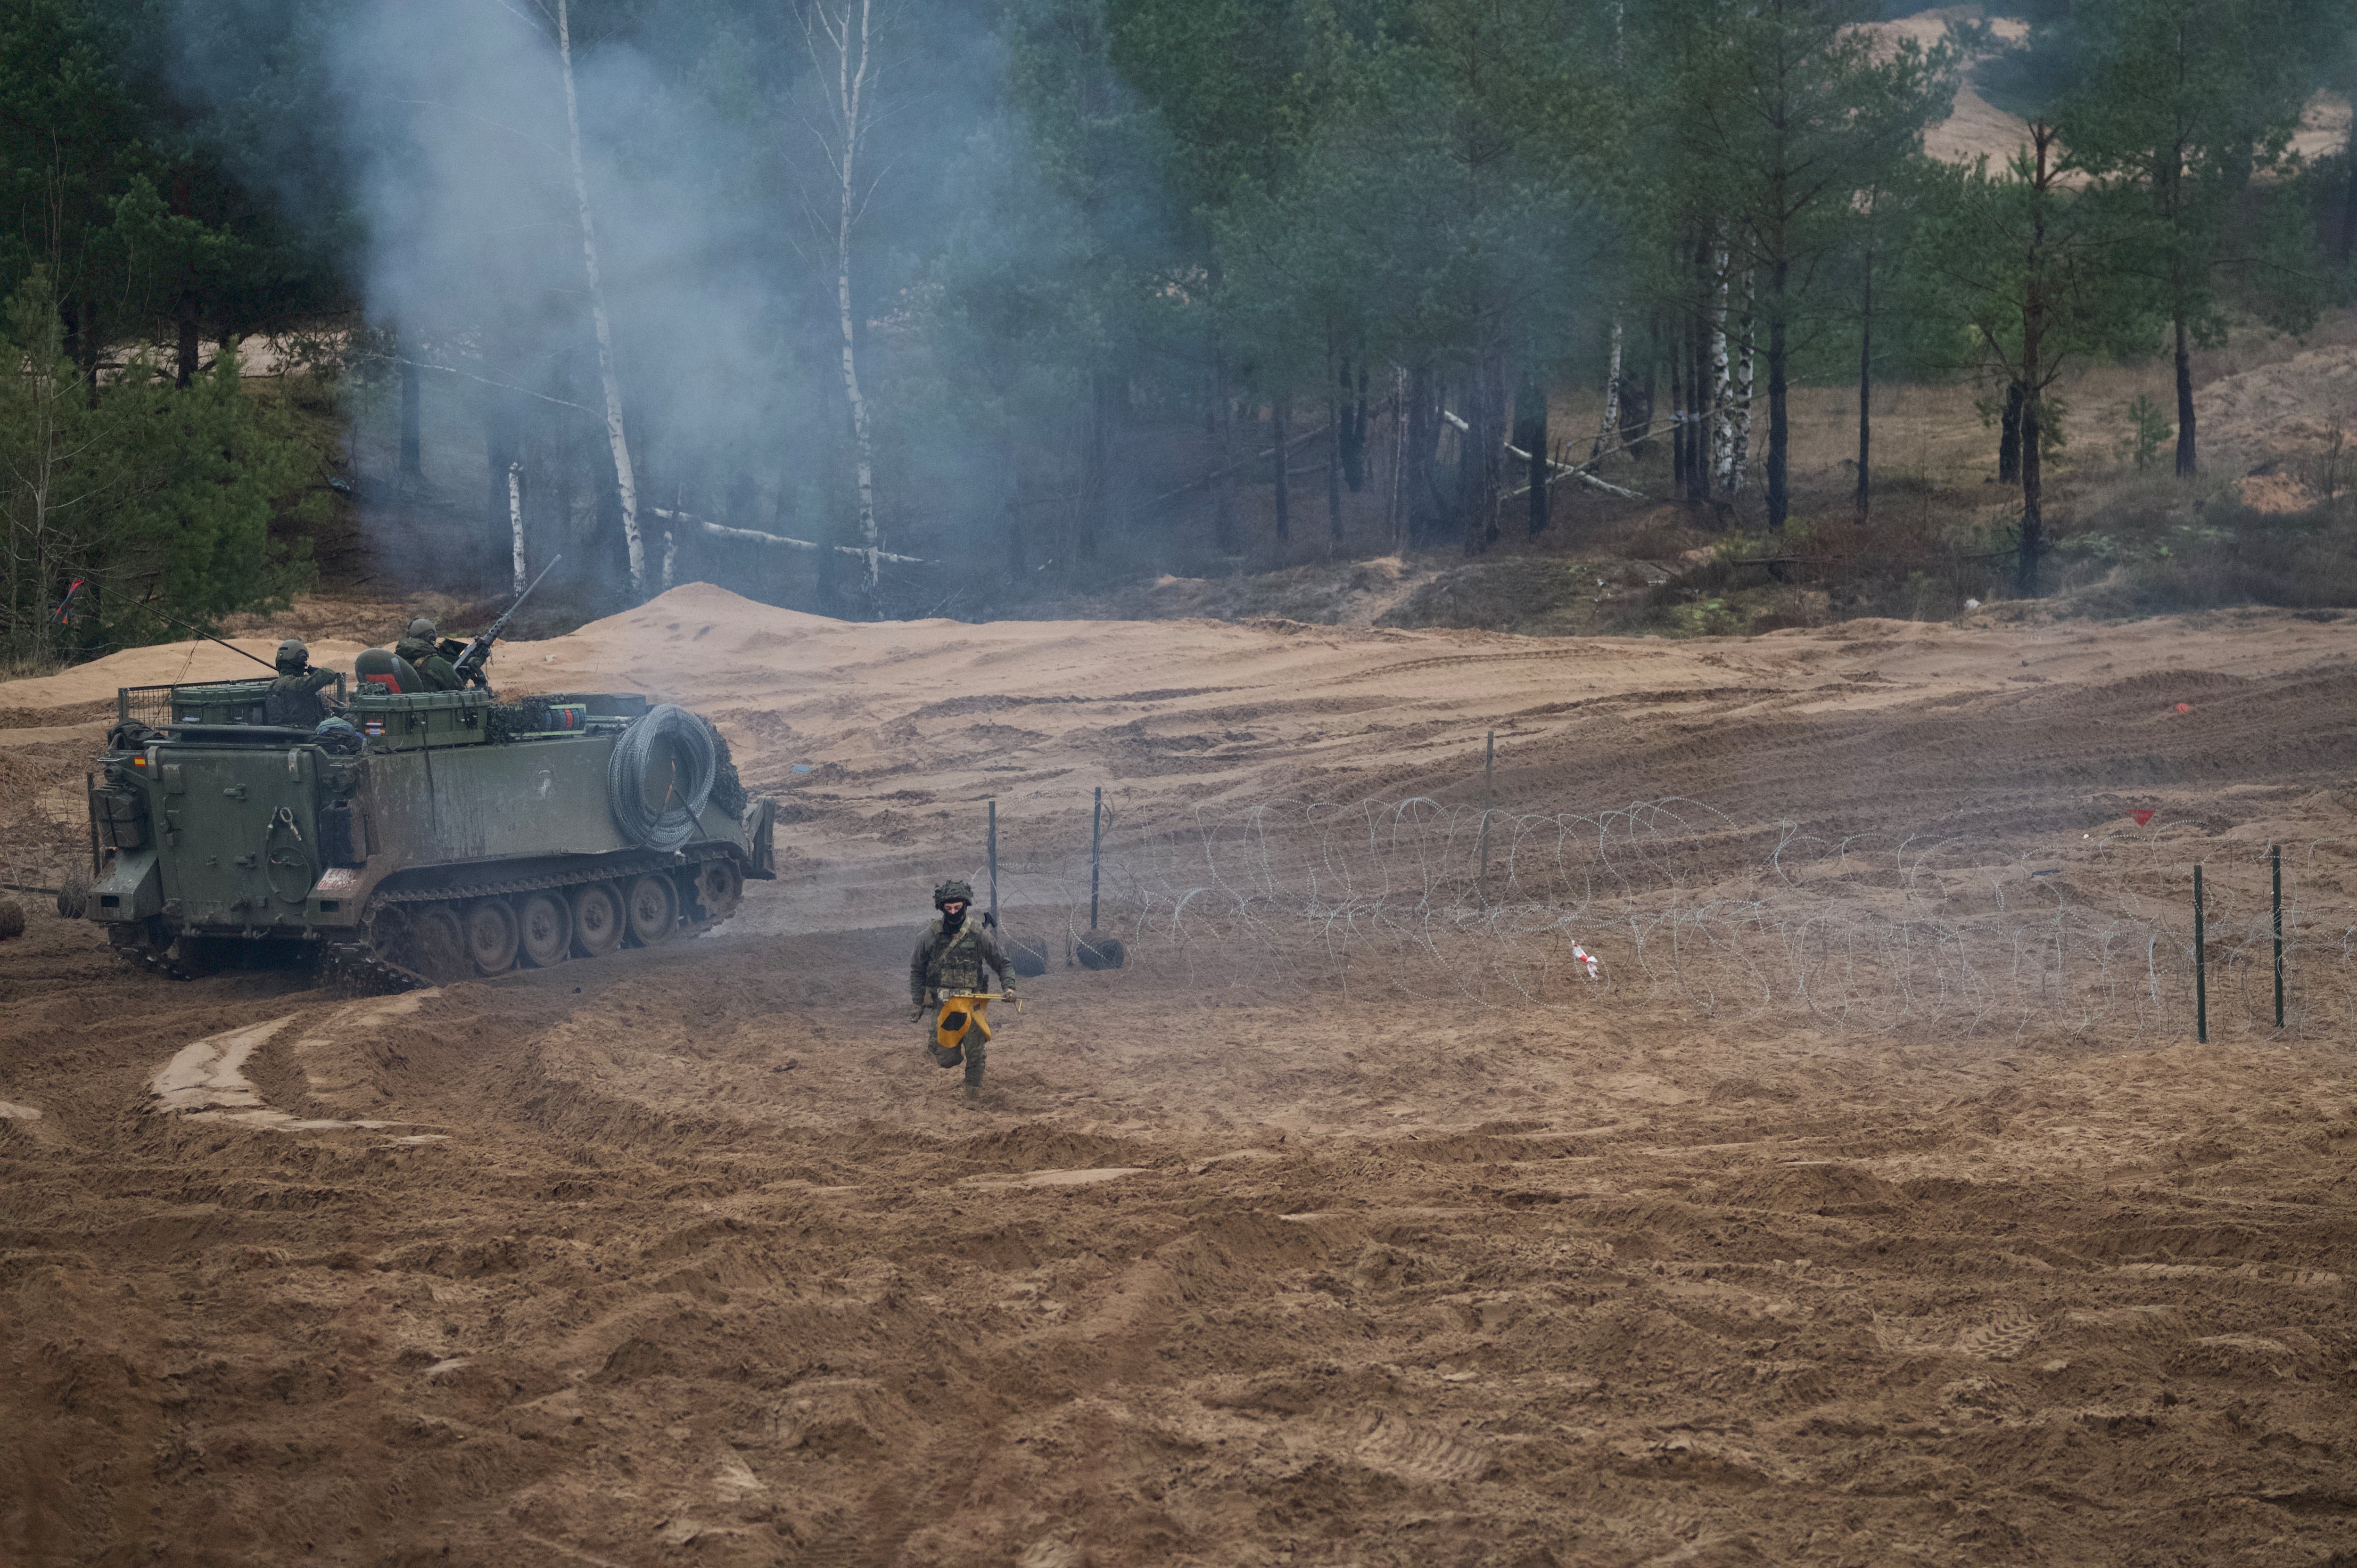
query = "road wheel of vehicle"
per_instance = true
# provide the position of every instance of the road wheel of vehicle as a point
(653, 910)
(597, 920)
(491, 930)
(718, 887)
(544, 927)
(439, 945)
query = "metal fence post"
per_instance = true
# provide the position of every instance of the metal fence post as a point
(1481, 880)
(2274, 860)
(1096, 844)
(994, 863)
(2201, 970)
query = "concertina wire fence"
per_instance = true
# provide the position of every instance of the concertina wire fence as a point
(1671, 900)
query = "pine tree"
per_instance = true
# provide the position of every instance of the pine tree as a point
(1781, 113)
(2182, 104)
(2032, 263)
(144, 491)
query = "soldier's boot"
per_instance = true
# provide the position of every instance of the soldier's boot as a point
(972, 1092)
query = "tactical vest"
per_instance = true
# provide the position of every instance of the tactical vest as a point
(956, 961)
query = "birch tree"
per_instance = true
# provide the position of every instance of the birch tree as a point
(617, 439)
(1786, 109)
(841, 41)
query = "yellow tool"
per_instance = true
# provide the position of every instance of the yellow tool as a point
(963, 1011)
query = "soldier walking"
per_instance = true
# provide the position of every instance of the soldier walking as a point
(952, 953)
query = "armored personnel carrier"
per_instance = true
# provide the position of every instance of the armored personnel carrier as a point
(434, 836)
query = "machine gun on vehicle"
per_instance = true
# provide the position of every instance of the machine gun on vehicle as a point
(471, 659)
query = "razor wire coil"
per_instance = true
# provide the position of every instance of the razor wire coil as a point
(668, 754)
(1680, 902)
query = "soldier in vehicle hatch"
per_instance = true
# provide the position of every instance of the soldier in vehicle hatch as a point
(952, 953)
(294, 699)
(426, 654)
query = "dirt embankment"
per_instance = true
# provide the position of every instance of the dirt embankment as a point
(689, 1256)
(884, 741)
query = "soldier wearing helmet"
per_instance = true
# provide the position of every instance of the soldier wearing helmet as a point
(423, 651)
(294, 699)
(952, 953)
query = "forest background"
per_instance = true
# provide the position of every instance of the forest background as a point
(895, 307)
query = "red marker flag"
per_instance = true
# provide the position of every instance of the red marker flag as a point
(2143, 818)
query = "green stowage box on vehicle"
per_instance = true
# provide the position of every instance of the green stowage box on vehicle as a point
(442, 835)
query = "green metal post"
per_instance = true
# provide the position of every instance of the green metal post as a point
(994, 864)
(2274, 859)
(1481, 882)
(2201, 970)
(1096, 845)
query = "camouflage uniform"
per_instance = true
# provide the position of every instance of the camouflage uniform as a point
(292, 700)
(424, 656)
(949, 962)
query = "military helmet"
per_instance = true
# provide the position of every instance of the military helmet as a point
(423, 627)
(953, 888)
(293, 655)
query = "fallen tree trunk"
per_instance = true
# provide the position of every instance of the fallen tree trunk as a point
(1563, 470)
(754, 536)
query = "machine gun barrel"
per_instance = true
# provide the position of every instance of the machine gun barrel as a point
(469, 663)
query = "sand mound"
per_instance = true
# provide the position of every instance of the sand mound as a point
(883, 741)
(2285, 410)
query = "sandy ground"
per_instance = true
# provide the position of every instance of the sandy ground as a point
(688, 1256)
(1977, 129)
(884, 741)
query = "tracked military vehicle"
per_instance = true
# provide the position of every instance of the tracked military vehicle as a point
(432, 836)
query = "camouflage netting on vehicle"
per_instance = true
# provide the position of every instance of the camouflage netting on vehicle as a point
(505, 721)
(727, 788)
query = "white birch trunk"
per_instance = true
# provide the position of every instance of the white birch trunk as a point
(853, 110)
(754, 536)
(1741, 456)
(670, 553)
(515, 523)
(625, 480)
(1560, 470)
(1722, 403)
(1608, 432)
